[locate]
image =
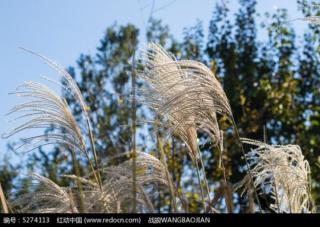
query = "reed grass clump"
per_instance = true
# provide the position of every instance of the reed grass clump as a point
(282, 172)
(44, 110)
(115, 197)
(185, 94)
(186, 98)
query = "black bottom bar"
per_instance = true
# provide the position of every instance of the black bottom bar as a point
(156, 219)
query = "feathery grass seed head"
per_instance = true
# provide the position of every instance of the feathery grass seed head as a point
(282, 172)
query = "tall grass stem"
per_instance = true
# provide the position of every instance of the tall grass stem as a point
(3, 201)
(134, 152)
(246, 161)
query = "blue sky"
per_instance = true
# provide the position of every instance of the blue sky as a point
(62, 29)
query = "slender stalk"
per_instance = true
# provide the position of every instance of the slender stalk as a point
(200, 184)
(272, 170)
(246, 161)
(93, 148)
(162, 159)
(76, 170)
(159, 200)
(276, 191)
(93, 171)
(207, 185)
(147, 199)
(173, 160)
(204, 176)
(222, 166)
(251, 205)
(159, 190)
(71, 201)
(134, 152)
(3, 201)
(289, 196)
(228, 201)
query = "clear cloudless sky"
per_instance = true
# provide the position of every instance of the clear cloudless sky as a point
(63, 29)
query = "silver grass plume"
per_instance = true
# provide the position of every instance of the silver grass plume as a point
(45, 109)
(150, 175)
(45, 197)
(72, 87)
(70, 83)
(313, 20)
(282, 172)
(184, 94)
(43, 119)
(115, 197)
